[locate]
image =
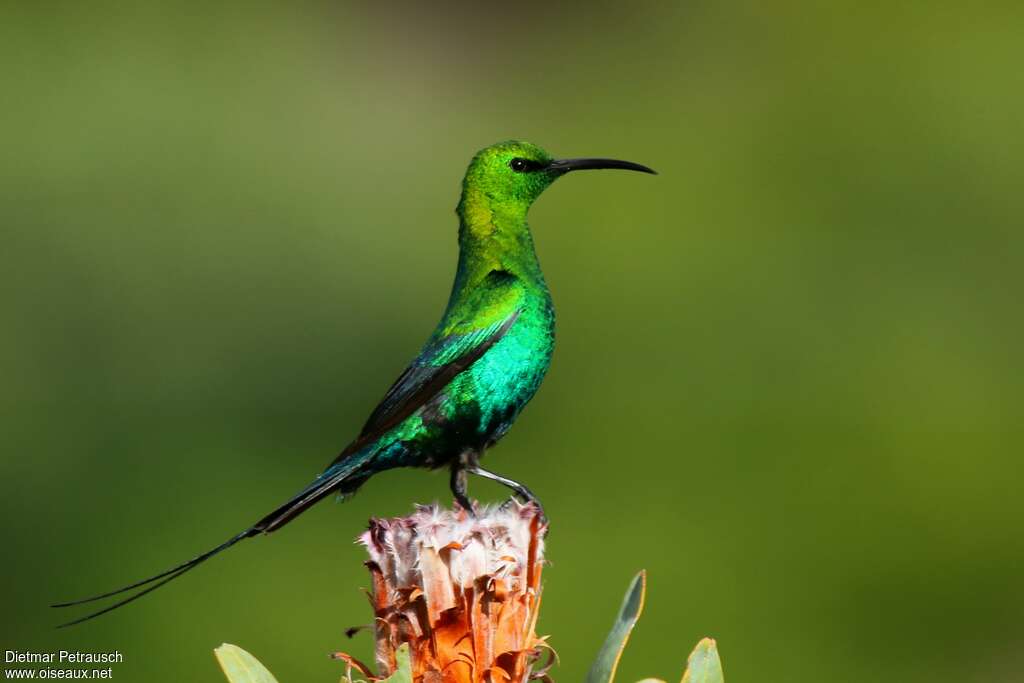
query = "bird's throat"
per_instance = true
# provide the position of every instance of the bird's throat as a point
(495, 235)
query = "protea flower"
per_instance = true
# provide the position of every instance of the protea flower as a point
(455, 600)
(463, 591)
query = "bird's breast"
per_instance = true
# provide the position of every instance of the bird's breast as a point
(504, 379)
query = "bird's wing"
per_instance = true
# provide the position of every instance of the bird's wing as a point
(454, 348)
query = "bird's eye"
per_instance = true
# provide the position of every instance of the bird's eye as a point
(519, 165)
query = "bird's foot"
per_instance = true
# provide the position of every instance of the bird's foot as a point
(458, 486)
(468, 506)
(520, 490)
(542, 516)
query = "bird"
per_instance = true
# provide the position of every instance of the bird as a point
(474, 375)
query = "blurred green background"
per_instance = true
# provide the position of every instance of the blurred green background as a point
(788, 379)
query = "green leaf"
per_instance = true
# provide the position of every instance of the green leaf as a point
(403, 672)
(603, 668)
(241, 667)
(703, 666)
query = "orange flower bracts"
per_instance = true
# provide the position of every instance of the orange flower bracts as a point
(462, 591)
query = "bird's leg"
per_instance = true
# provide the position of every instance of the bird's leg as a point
(520, 490)
(458, 486)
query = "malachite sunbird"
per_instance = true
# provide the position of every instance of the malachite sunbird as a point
(480, 367)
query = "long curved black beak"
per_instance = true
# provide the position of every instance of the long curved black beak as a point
(566, 165)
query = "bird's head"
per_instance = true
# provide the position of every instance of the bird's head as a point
(506, 178)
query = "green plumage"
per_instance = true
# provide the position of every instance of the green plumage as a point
(498, 278)
(479, 368)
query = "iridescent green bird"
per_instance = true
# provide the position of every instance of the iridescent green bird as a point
(477, 371)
